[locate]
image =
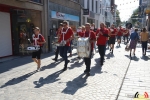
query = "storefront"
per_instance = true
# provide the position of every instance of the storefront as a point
(58, 11)
(16, 28)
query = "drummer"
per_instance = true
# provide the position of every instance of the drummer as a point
(38, 40)
(66, 36)
(91, 35)
(58, 33)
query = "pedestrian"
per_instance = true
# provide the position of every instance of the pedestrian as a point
(126, 36)
(91, 35)
(38, 40)
(65, 38)
(102, 35)
(134, 39)
(119, 35)
(144, 39)
(58, 33)
(113, 33)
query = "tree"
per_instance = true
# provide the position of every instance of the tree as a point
(118, 21)
(134, 17)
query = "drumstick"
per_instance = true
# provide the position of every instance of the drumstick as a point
(29, 41)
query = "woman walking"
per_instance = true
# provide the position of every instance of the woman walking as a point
(144, 40)
(134, 38)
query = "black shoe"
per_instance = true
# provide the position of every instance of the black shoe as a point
(101, 64)
(54, 59)
(65, 68)
(86, 71)
(88, 74)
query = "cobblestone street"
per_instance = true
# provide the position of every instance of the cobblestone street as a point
(20, 81)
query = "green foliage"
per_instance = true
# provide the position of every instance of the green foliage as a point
(118, 21)
(134, 16)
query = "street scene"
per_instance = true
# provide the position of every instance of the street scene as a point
(74, 49)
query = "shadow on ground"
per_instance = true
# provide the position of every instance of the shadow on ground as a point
(8, 65)
(49, 79)
(18, 80)
(75, 84)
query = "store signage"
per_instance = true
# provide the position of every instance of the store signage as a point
(85, 11)
(63, 16)
(60, 15)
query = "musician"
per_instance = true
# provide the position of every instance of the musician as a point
(58, 33)
(112, 38)
(65, 38)
(38, 40)
(102, 36)
(119, 35)
(91, 35)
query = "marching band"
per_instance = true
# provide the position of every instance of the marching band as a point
(86, 39)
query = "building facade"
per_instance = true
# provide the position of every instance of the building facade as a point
(99, 12)
(60, 10)
(17, 16)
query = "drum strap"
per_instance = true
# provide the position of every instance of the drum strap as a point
(35, 39)
(89, 34)
(64, 32)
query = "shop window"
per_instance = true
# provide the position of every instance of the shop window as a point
(38, 1)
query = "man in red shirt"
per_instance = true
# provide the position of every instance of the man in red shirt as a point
(58, 33)
(102, 36)
(38, 40)
(113, 33)
(119, 35)
(126, 35)
(65, 38)
(91, 35)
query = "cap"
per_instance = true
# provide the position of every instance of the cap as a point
(36, 28)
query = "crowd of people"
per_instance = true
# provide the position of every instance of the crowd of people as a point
(99, 38)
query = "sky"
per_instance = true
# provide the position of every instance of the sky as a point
(126, 8)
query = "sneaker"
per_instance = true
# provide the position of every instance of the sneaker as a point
(38, 69)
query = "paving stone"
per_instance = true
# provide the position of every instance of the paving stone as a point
(19, 77)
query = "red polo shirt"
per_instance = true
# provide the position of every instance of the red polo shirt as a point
(113, 33)
(67, 35)
(102, 39)
(80, 34)
(120, 32)
(92, 37)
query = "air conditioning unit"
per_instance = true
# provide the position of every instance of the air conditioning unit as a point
(23, 0)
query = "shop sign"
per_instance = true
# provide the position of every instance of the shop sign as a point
(63, 16)
(85, 11)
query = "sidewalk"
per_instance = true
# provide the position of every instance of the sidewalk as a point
(20, 81)
(137, 78)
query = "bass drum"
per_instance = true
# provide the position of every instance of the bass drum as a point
(83, 47)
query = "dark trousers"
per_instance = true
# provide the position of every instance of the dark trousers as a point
(125, 38)
(56, 53)
(88, 62)
(144, 46)
(63, 53)
(101, 49)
